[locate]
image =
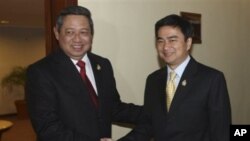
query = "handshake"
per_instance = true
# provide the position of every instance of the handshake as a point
(106, 139)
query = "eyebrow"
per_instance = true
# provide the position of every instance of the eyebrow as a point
(169, 37)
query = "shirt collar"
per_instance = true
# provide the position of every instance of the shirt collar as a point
(85, 59)
(180, 69)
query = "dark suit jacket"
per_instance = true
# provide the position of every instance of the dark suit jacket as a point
(200, 109)
(60, 108)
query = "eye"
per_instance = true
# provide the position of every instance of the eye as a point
(172, 40)
(84, 32)
(160, 41)
(69, 32)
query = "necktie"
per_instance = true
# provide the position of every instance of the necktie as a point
(170, 89)
(90, 88)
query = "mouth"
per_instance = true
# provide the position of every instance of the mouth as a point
(77, 47)
(167, 54)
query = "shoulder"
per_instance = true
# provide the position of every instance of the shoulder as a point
(101, 63)
(208, 70)
(40, 63)
(45, 61)
(208, 73)
(97, 59)
(50, 62)
(158, 74)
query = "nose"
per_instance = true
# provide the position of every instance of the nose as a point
(166, 44)
(77, 37)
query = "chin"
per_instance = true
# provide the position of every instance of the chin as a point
(168, 61)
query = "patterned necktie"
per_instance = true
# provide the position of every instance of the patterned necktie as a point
(170, 89)
(85, 78)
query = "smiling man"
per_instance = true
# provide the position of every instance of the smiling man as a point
(71, 93)
(185, 100)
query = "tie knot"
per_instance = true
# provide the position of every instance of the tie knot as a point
(172, 75)
(81, 64)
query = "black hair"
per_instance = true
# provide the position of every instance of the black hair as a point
(176, 21)
(75, 10)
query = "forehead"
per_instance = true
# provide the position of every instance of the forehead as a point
(169, 31)
(75, 20)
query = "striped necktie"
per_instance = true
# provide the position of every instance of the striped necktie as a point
(170, 89)
(86, 80)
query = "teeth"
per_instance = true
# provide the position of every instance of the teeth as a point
(77, 46)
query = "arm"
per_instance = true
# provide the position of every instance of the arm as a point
(219, 110)
(143, 130)
(121, 112)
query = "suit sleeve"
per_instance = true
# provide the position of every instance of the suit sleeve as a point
(122, 112)
(42, 105)
(143, 130)
(219, 110)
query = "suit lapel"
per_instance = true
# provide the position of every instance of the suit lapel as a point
(66, 68)
(162, 88)
(70, 77)
(97, 68)
(185, 84)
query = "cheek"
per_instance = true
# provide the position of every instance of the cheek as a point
(65, 40)
(87, 39)
(159, 49)
(182, 52)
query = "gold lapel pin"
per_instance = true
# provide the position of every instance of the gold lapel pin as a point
(184, 83)
(98, 67)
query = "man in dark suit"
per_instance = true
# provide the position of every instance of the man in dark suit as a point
(200, 108)
(60, 103)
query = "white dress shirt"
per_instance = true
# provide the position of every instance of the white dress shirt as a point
(89, 71)
(179, 71)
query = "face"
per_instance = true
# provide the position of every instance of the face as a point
(171, 46)
(74, 37)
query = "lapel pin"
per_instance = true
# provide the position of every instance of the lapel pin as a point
(98, 67)
(184, 83)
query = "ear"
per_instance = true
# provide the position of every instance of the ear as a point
(189, 43)
(56, 32)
